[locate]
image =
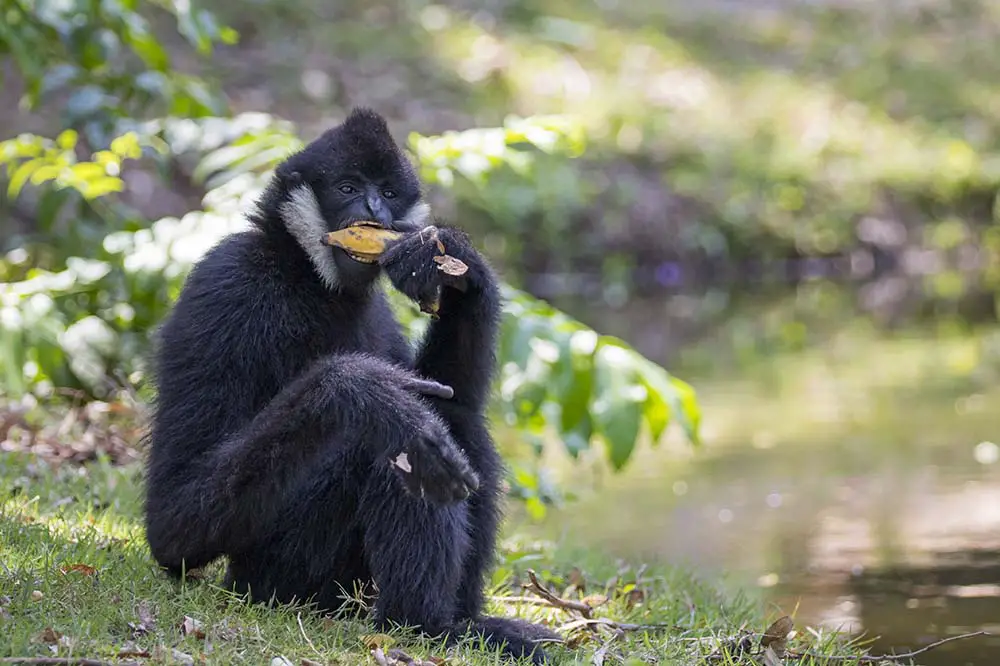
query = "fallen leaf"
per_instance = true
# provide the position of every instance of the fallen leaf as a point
(451, 265)
(191, 626)
(777, 632)
(146, 615)
(634, 597)
(80, 568)
(49, 635)
(595, 600)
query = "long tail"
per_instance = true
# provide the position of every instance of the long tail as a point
(517, 638)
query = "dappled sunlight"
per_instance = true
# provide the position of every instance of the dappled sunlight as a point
(90, 529)
(641, 89)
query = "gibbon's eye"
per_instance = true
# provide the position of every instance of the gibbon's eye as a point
(389, 194)
(347, 189)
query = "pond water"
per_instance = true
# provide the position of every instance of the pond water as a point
(850, 472)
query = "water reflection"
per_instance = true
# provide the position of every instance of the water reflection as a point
(850, 471)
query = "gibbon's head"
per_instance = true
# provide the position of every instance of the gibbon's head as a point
(353, 172)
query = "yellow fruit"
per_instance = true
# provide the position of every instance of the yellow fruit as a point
(364, 240)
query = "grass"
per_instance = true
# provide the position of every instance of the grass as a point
(77, 580)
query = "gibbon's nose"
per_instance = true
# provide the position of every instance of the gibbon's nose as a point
(379, 211)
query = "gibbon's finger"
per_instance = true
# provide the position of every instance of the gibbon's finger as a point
(431, 388)
(430, 480)
(471, 480)
(459, 469)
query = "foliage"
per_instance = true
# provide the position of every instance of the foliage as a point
(87, 325)
(40, 160)
(105, 60)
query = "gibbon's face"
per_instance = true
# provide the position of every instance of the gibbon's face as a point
(379, 198)
(352, 173)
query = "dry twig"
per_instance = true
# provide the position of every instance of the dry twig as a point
(302, 629)
(620, 626)
(523, 601)
(584, 609)
(566, 604)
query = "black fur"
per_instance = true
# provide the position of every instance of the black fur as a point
(285, 398)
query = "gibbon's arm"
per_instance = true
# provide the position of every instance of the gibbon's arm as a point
(459, 349)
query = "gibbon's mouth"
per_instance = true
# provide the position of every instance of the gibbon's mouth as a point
(360, 260)
(362, 223)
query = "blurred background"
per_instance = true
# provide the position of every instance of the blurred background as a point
(792, 205)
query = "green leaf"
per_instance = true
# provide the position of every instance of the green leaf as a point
(12, 339)
(146, 47)
(619, 397)
(657, 414)
(535, 508)
(45, 173)
(21, 175)
(127, 146)
(67, 139)
(575, 383)
(101, 186)
(525, 383)
(678, 399)
(88, 171)
(228, 35)
(691, 409)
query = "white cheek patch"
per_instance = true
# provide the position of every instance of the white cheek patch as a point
(305, 222)
(403, 463)
(418, 216)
